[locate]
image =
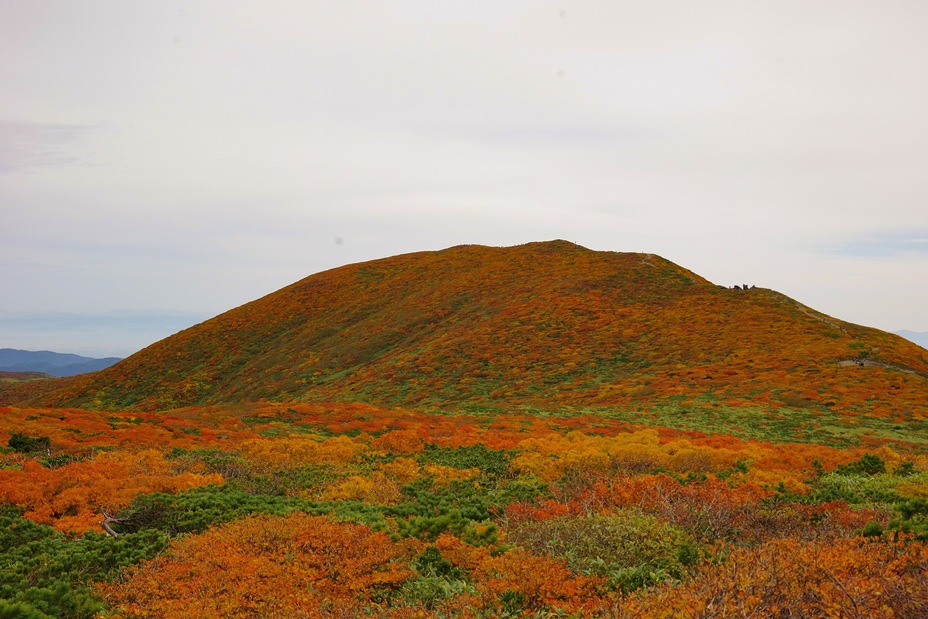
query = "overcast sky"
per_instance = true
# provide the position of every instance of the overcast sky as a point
(167, 160)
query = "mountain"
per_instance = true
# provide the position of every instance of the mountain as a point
(51, 363)
(550, 325)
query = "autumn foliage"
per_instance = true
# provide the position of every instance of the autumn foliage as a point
(539, 431)
(549, 325)
(790, 578)
(72, 497)
(295, 566)
(331, 510)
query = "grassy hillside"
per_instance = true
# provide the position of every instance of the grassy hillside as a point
(15, 377)
(548, 325)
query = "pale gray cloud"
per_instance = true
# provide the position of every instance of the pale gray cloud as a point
(27, 147)
(886, 244)
(194, 155)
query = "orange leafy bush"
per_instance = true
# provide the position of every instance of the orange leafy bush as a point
(295, 566)
(540, 582)
(70, 497)
(375, 488)
(789, 578)
(551, 455)
(295, 451)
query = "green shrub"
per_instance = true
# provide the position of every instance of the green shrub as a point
(23, 443)
(20, 610)
(630, 549)
(430, 591)
(913, 518)
(450, 521)
(868, 464)
(491, 462)
(195, 510)
(863, 489)
(44, 573)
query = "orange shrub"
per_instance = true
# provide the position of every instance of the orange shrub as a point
(444, 475)
(293, 566)
(788, 578)
(281, 454)
(402, 470)
(374, 488)
(70, 497)
(539, 582)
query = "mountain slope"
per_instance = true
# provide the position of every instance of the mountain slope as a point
(545, 324)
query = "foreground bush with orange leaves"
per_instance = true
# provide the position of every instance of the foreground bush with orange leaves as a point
(297, 566)
(786, 579)
(72, 497)
(312, 566)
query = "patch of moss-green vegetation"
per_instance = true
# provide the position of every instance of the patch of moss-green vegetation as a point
(822, 427)
(629, 549)
(45, 574)
(492, 463)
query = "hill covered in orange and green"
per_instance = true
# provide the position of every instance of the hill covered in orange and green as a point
(549, 325)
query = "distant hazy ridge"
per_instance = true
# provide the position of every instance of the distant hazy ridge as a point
(51, 363)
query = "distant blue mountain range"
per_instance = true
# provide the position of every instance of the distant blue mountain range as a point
(52, 363)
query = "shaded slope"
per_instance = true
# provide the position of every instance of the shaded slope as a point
(544, 324)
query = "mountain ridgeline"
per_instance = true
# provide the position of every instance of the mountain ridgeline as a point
(51, 363)
(550, 325)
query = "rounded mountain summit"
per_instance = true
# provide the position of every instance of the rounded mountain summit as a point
(549, 325)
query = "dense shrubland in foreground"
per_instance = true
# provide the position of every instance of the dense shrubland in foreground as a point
(313, 510)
